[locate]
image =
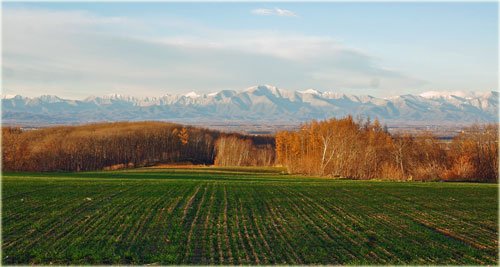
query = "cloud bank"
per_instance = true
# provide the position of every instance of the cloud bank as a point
(76, 54)
(273, 12)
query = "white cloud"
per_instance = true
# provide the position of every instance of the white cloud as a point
(263, 12)
(273, 12)
(284, 12)
(290, 46)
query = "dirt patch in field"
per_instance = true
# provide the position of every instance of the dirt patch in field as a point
(181, 165)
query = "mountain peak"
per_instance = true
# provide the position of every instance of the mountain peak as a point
(50, 98)
(311, 91)
(192, 94)
(266, 90)
(262, 103)
(7, 96)
(448, 94)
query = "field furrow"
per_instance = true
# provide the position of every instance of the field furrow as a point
(218, 216)
(193, 250)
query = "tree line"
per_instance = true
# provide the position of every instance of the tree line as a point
(365, 150)
(119, 145)
(234, 150)
(336, 148)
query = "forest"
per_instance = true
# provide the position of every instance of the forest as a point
(365, 150)
(108, 146)
(343, 147)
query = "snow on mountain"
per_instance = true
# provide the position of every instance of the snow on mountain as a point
(192, 95)
(439, 94)
(451, 94)
(310, 91)
(258, 103)
(7, 96)
(50, 99)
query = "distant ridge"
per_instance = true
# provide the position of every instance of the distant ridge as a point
(262, 103)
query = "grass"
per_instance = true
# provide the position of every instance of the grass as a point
(242, 216)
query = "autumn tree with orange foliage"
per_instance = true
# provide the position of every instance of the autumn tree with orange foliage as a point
(473, 154)
(365, 150)
(104, 146)
(123, 145)
(335, 148)
(184, 136)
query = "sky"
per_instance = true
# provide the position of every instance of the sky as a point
(75, 50)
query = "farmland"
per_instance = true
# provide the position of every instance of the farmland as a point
(242, 216)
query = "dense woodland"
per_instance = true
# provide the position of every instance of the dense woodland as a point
(335, 148)
(117, 145)
(365, 150)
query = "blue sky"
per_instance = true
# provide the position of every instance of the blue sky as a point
(382, 49)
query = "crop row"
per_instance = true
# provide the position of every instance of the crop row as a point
(237, 222)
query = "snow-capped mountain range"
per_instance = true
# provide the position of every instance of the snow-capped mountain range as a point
(263, 103)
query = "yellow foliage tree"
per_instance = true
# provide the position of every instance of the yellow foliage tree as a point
(184, 136)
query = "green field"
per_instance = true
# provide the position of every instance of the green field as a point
(242, 216)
